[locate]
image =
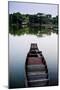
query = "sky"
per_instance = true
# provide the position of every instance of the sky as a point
(33, 8)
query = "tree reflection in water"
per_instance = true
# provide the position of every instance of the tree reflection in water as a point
(31, 30)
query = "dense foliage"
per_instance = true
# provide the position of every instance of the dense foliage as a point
(39, 20)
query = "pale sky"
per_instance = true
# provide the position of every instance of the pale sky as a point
(33, 8)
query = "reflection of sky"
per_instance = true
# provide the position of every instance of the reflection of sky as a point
(18, 49)
(33, 8)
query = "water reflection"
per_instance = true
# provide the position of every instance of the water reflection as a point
(19, 45)
(31, 30)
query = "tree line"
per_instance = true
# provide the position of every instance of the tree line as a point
(17, 20)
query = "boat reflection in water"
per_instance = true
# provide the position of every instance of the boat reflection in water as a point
(35, 68)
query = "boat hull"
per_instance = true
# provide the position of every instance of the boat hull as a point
(36, 68)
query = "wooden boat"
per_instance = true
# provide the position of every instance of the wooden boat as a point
(35, 68)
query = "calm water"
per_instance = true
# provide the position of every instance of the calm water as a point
(18, 49)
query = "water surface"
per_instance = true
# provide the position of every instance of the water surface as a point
(19, 46)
